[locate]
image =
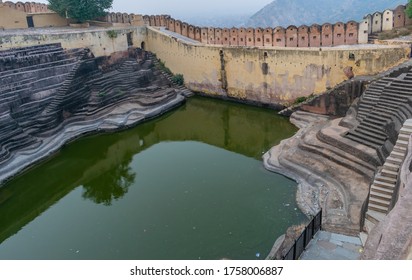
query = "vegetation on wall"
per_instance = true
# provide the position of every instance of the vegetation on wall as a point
(80, 10)
(395, 33)
(162, 67)
(178, 79)
(112, 34)
(409, 9)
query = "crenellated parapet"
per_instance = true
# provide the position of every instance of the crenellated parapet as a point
(326, 35)
(315, 35)
(28, 7)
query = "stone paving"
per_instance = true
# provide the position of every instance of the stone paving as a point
(332, 246)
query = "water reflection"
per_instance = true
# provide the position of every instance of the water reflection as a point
(111, 185)
(102, 164)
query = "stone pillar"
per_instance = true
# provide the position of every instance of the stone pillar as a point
(191, 32)
(268, 37)
(327, 35)
(218, 36)
(172, 24)
(198, 34)
(292, 36)
(226, 36)
(204, 35)
(387, 20)
(314, 36)
(339, 34)
(351, 35)
(303, 36)
(279, 36)
(258, 37)
(250, 37)
(234, 37)
(363, 33)
(178, 26)
(185, 29)
(211, 36)
(377, 22)
(242, 36)
(399, 16)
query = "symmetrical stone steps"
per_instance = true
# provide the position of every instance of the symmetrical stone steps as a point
(383, 189)
(11, 63)
(44, 88)
(371, 96)
(63, 61)
(29, 78)
(23, 50)
(384, 102)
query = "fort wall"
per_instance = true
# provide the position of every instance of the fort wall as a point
(100, 41)
(325, 35)
(268, 76)
(12, 18)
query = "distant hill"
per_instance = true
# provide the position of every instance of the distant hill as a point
(298, 12)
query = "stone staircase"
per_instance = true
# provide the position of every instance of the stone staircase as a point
(383, 191)
(335, 160)
(384, 107)
(372, 37)
(30, 77)
(384, 116)
(184, 90)
(46, 91)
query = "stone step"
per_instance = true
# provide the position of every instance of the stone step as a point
(362, 140)
(400, 149)
(406, 130)
(377, 208)
(370, 98)
(370, 120)
(394, 160)
(398, 89)
(391, 166)
(379, 118)
(380, 202)
(377, 136)
(392, 98)
(398, 155)
(402, 143)
(379, 195)
(382, 190)
(368, 137)
(389, 173)
(380, 180)
(374, 216)
(373, 126)
(404, 137)
(407, 125)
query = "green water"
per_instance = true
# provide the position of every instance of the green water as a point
(188, 185)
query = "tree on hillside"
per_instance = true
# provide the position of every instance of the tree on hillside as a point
(80, 10)
(409, 9)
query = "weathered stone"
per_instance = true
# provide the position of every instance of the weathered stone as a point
(54, 96)
(348, 72)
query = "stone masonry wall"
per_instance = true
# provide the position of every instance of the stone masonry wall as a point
(268, 76)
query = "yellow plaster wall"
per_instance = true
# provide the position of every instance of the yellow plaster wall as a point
(99, 41)
(11, 18)
(292, 72)
(48, 20)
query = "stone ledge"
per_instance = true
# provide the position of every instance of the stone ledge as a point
(120, 117)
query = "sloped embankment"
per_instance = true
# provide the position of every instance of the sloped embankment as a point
(50, 96)
(336, 159)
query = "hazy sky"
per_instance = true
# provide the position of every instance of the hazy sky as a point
(178, 8)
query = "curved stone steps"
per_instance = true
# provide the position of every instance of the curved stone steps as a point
(40, 66)
(333, 136)
(339, 158)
